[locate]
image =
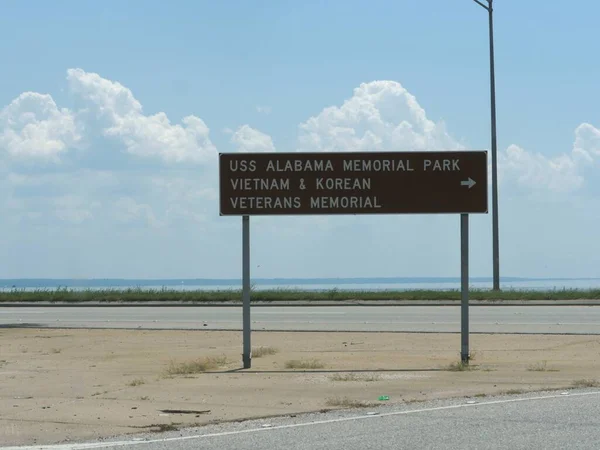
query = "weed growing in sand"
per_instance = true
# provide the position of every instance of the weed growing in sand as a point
(136, 382)
(512, 392)
(460, 367)
(345, 402)
(353, 377)
(586, 383)
(198, 366)
(304, 364)
(259, 352)
(540, 367)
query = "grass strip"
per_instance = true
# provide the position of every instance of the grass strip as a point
(133, 295)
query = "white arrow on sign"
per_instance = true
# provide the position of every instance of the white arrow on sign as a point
(470, 182)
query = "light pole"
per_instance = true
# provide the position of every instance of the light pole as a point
(495, 246)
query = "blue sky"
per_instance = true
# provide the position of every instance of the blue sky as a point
(117, 205)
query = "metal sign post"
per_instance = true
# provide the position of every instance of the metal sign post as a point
(247, 355)
(464, 288)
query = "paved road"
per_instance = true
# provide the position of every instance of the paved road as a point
(505, 319)
(535, 421)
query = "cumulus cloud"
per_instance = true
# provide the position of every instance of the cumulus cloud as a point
(587, 143)
(142, 135)
(563, 173)
(536, 171)
(249, 140)
(32, 126)
(173, 209)
(380, 116)
(384, 116)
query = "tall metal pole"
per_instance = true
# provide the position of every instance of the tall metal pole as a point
(464, 288)
(247, 347)
(495, 239)
(496, 245)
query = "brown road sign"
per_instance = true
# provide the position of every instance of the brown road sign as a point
(353, 183)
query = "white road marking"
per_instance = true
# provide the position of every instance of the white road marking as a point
(293, 425)
(300, 313)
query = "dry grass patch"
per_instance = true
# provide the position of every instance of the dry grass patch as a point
(136, 382)
(540, 367)
(304, 364)
(586, 383)
(512, 392)
(460, 367)
(198, 366)
(353, 377)
(259, 352)
(345, 402)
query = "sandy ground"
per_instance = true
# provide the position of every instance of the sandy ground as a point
(72, 385)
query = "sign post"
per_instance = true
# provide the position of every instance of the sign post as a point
(247, 346)
(319, 183)
(464, 288)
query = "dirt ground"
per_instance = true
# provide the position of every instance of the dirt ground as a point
(73, 385)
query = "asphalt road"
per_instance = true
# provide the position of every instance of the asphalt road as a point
(544, 420)
(488, 319)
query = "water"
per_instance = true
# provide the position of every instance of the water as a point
(362, 284)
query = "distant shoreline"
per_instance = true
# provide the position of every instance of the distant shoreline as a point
(233, 282)
(138, 295)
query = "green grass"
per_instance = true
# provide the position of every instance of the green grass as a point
(170, 295)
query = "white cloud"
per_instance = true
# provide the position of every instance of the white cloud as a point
(587, 143)
(32, 126)
(172, 210)
(537, 172)
(384, 116)
(146, 136)
(250, 140)
(380, 116)
(563, 173)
